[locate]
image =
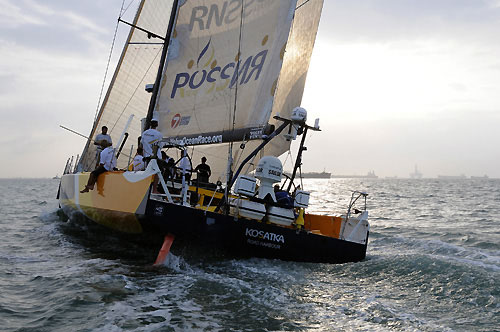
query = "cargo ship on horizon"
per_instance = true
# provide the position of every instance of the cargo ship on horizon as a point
(315, 175)
(369, 175)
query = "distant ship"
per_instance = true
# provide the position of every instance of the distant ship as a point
(452, 177)
(480, 177)
(313, 175)
(316, 175)
(369, 175)
(416, 174)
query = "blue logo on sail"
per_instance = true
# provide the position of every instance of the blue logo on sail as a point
(242, 71)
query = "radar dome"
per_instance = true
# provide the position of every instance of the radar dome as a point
(269, 171)
(299, 114)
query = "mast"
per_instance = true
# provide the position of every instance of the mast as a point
(156, 86)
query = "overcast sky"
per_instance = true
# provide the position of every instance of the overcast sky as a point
(396, 83)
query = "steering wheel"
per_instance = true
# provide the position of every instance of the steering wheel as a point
(287, 179)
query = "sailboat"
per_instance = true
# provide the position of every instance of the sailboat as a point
(224, 79)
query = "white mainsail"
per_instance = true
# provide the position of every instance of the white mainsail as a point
(283, 95)
(138, 66)
(222, 68)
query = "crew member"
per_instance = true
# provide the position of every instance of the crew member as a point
(98, 139)
(166, 165)
(150, 138)
(138, 163)
(204, 171)
(283, 197)
(107, 163)
(185, 166)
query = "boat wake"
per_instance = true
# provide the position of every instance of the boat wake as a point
(486, 259)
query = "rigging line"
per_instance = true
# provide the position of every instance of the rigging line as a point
(128, 6)
(240, 154)
(308, 138)
(107, 66)
(192, 152)
(302, 4)
(251, 164)
(136, 88)
(289, 154)
(237, 83)
(237, 69)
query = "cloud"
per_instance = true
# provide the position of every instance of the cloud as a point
(29, 12)
(494, 3)
(12, 16)
(395, 20)
(52, 26)
(15, 14)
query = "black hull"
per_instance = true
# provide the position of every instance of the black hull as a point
(246, 238)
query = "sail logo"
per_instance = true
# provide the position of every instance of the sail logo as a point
(203, 17)
(279, 238)
(179, 120)
(256, 133)
(176, 120)
(230, 74)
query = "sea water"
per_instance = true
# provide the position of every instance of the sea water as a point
(433, 264)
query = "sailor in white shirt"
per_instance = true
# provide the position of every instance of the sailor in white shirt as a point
(108, 159)
(107, 163)
(151, 137)
(185, 166)
(99, 138)
(138, 163)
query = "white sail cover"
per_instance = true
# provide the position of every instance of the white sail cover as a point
(138, 66)
(222, 68)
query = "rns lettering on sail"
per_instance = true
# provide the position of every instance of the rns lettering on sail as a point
(202, 17)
